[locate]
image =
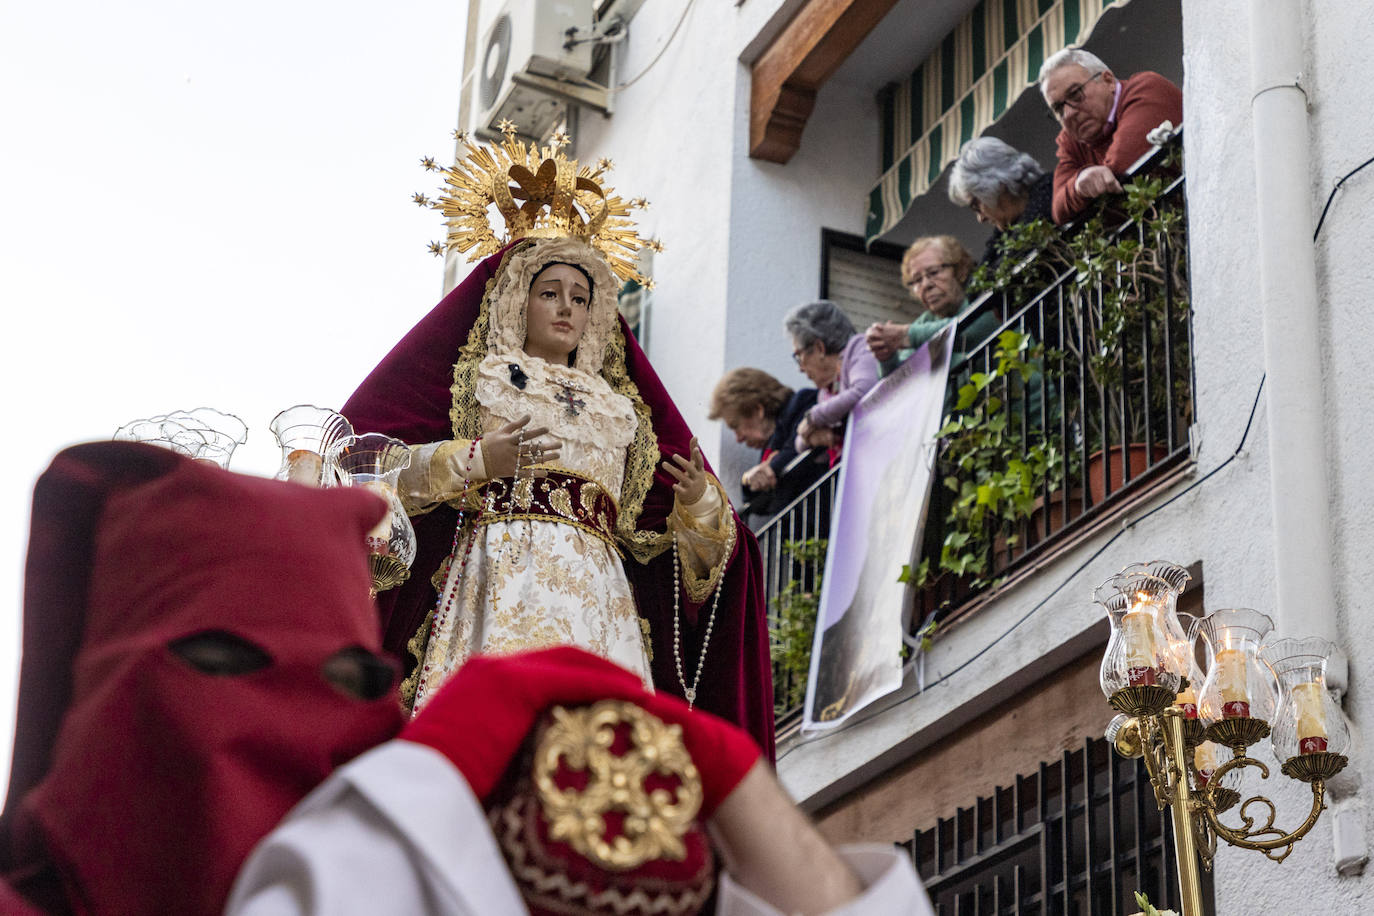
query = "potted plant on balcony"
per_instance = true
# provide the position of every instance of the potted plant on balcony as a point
(1124, 328)
(994, 466)
(1131, 322)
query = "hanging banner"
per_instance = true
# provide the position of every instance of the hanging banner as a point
(875, 528)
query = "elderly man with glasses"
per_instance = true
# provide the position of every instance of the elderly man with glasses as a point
(1103, 121)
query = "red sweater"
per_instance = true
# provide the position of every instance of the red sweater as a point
(1146, 99)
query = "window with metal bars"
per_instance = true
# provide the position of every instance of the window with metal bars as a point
(1076, 838)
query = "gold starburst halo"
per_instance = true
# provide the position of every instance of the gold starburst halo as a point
(539, 193)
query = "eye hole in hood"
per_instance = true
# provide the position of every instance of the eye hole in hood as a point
(220, 653)
(359, 673)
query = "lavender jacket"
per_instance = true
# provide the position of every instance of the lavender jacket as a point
(858, 373)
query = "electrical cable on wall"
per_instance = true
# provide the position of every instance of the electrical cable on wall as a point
(1332, 196)
(681, 19)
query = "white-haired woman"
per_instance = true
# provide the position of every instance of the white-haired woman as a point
(1002, 186)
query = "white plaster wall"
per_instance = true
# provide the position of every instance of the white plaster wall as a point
(742, 237)
(670, 139)
(1343, 137)
(743, 246)
(1225, 522)
(776, 216)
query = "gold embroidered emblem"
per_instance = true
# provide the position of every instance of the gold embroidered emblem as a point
(654, 823)
(561, 502)
(590, 491)
(523, 493)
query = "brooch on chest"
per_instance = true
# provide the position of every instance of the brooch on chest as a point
(570, 401)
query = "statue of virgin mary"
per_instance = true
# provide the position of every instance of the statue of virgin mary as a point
(557, 494)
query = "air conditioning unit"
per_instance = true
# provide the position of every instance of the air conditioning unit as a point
(528, 43)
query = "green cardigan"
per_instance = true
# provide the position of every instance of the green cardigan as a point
(927, 325)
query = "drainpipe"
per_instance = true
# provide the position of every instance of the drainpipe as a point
(1298, 480)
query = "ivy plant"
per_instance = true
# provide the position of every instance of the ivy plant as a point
(1124, 279)
(793, 627)
(994, 465)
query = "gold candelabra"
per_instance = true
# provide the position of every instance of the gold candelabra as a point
(1182, 717)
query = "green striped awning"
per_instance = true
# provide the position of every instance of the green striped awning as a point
(965, 85)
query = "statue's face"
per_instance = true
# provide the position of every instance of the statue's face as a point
(556, 313)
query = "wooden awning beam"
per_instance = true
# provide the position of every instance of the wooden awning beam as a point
(797, 63)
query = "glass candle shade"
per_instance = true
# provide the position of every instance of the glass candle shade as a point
(1148, 646)
(1153, 587)
(164, 433)
(1208, 757)
(375, 462)
(1239, 684)
(306, 434)
(1188, 691)
(222, 432)
(1138, 653)
(1308, 719)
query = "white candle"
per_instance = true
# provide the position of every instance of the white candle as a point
(1137, 628)
(1231, 683)
(379, 538)
(1187, 701)
(1205, 759)
(304, 466)
(1311, 717)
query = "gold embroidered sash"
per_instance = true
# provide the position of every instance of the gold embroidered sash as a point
(559, 497)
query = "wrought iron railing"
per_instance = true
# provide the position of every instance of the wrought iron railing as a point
(1079, 836)
(792, 580)
(1105, 407)
(1102, 318)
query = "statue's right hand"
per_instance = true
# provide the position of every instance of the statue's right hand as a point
(515, 446)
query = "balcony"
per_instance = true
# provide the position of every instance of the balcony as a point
(1075, 409)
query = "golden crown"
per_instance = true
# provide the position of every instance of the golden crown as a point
(539, 195)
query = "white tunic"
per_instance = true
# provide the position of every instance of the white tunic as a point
(369, 842)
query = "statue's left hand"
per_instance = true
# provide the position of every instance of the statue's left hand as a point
(690, 474)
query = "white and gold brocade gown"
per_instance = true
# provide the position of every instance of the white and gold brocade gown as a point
(534, 582)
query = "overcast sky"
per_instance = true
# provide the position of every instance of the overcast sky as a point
(206, 204)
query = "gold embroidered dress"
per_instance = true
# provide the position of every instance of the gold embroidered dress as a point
(542, 565)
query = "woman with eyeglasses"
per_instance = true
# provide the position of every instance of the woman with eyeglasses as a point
(935, 269)
(1002, 186)
(834, 356)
